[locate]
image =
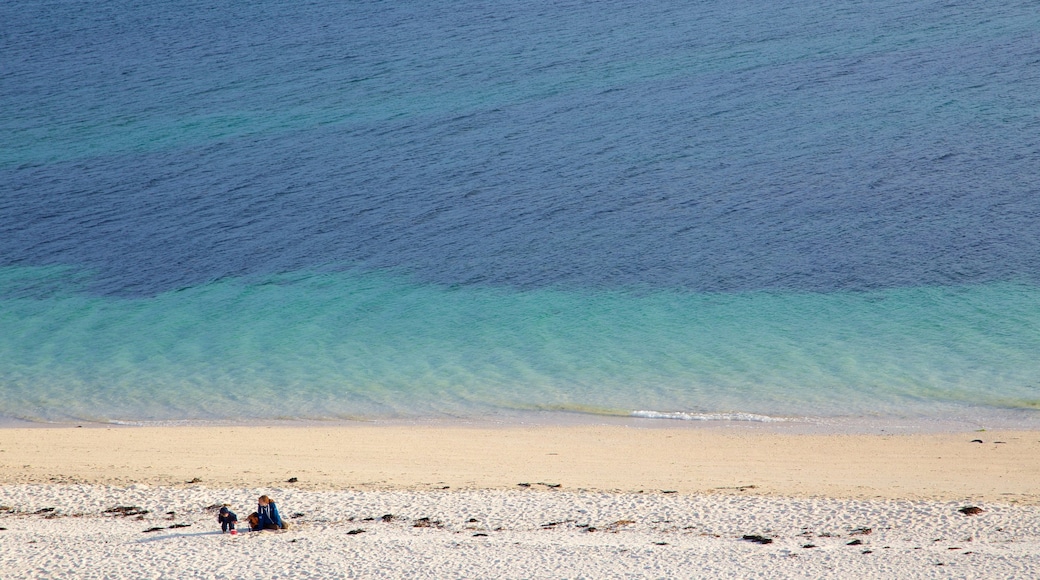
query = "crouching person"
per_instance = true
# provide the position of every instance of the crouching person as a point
(267, 516)
(227, 519)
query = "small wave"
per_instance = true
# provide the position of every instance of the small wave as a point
(680, 416)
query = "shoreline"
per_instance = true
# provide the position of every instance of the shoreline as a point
(685, 459)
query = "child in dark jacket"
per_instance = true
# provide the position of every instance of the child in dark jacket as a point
(227, 519)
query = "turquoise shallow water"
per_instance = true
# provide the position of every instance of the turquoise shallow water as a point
(758, 210)
(348, 345)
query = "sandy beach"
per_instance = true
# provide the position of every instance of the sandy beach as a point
(588, 501)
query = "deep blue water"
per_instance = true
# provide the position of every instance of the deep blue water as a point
(468, 209)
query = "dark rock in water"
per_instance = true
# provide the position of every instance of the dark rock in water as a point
(861, 532)
(854, 543)
(971, 510)
(292, 480)
(758, 539)
(355, 532)
(153, 530)
(976, 440)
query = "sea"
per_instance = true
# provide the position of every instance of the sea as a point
(657, 211)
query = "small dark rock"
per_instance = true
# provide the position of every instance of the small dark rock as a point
(297, 515)
(808, 545)
(669, 491)
(472, 521)
(479, 535)
(861, 532)
(660, 543)
(758, 539)
(524, 484)
(355, 532)
(854, 543)
(868, 551)
(390, 518)
(292, 480)
(368, 519)
(175, 526)
(590, 529)
(153, 530)
(971, 510)
(42, 511)
(195, 480)
(976, 440)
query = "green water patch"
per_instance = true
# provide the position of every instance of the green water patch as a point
(314, 345)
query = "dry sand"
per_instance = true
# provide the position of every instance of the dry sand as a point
(662, 502)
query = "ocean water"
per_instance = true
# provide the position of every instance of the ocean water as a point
(749, 211)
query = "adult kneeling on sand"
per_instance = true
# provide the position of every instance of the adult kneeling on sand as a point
(267, 514)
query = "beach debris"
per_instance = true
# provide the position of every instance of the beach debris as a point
(296, 515)
(43, 511)
(153, 529)
(479, 535)
(426, 523)
(861, 532)
(355, 532)
(195, 480)
(216, 506)
(999, 442)
(292, 480)
(971, 510)
(867, 552)
(175, 526)
(808, 546)
(757, 539)
(669, 491)
(976, 441)
(171, 515)
(390, 517)
(615, 526)
(855, 543)
(6, 508)
(126, 511)
(524, 484)
(660, 543)
(472, 521)
(739, 487)
(550, 485)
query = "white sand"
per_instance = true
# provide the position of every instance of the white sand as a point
(809, 490)
(669, 535)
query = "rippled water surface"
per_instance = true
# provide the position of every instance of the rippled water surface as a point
(689, 210)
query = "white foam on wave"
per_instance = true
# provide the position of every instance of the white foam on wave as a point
(680, 416)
